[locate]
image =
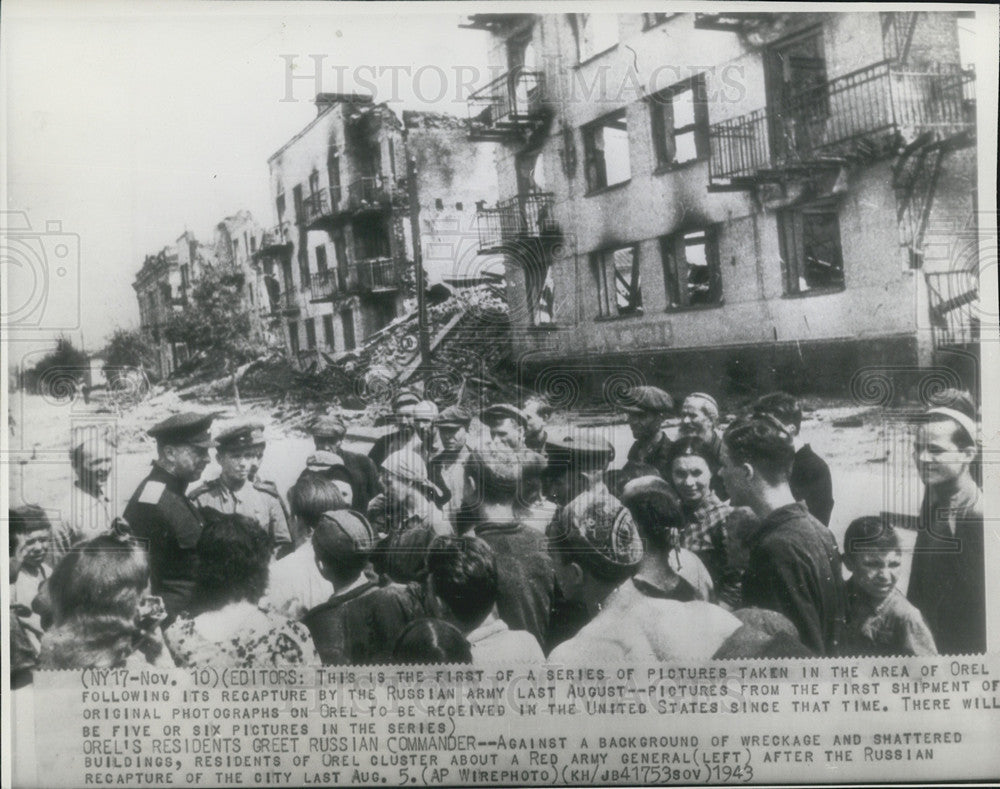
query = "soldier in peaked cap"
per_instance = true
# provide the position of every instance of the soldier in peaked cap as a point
(646, 406)
(161, 514)
(238, 449)
(328, 435)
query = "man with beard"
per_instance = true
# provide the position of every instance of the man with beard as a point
(646, 407)
(162, 515)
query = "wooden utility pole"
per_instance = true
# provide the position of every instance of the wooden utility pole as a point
(413, 204)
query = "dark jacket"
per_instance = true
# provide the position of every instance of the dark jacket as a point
(653, 452)
(948, 577)
(162, 516)
(361, 626)
(525, 574)
(811, 482)
(794, 568)
(364, 478)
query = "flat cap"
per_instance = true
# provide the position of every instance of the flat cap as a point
(408, 466)
(341, 532)
(328, 426)
(404, 397)
(454, 415)
(582, 452)
(500, 411)
(647, 399)
(241, 437)
(187, 428)
(596, 523)
(323, 460)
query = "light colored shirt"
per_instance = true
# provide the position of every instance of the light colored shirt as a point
(494, 643)
(634, 627)
(296, 585)
(89, 515)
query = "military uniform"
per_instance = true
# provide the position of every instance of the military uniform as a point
(654, 449)
(257, 500)
(161, 515)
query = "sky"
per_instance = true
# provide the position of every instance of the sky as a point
(129, 123)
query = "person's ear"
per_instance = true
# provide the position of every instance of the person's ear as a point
(574, 575)
(324, 570)
(747, 470)
(969, 453)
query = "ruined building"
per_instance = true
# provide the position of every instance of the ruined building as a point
(338, 263)
(732, 201)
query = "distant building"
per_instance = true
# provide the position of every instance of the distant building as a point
(732, 201)
(165, 282)
(338, 264)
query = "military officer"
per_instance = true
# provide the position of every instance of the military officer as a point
(646, 407)
(161, 515)
(239, 448)
(328, 435)
(574, 464)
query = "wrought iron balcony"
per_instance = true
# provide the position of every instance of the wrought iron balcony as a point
(372, 275)
(372, 191)
(525, 216)
(277, 239)
(870, 112)
(284, 303)
(316, 208)
(951, 294)
(507, 107)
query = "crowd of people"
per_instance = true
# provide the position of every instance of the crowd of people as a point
(499, 538)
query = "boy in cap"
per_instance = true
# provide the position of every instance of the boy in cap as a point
(948, 575)
(238, 449)
(331, 467)
(160, 513)
(810, 479)
(403, 406)
(91, 511)
(328, 435)
(361, 621)
(596, 549)
(646, 407)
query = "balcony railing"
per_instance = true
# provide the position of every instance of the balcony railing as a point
(369, 192)
(285, 302)
(866, 112)
(276, 239)
(316, 207)
(525, 216)
(507, 106)
(365, 276)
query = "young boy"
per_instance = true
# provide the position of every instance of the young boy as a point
(880, 620)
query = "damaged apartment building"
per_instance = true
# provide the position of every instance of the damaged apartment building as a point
(732, 201)
(166, 279)
(339, 262)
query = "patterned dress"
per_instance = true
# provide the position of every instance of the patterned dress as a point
(262, 638)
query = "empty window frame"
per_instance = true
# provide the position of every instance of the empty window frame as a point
(347, 324)
(810, 248)
(679, 120)
(540, 290)
(293, 336)
(311, 334)
(328, 331)
(619, 285)
(595, 33)
(321, 265)
(606, 151)
(691, 268)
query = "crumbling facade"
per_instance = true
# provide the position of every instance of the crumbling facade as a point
(338, 263)
(732, 201)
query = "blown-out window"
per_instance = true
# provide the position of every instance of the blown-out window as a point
(691, 268)
(619, 285)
